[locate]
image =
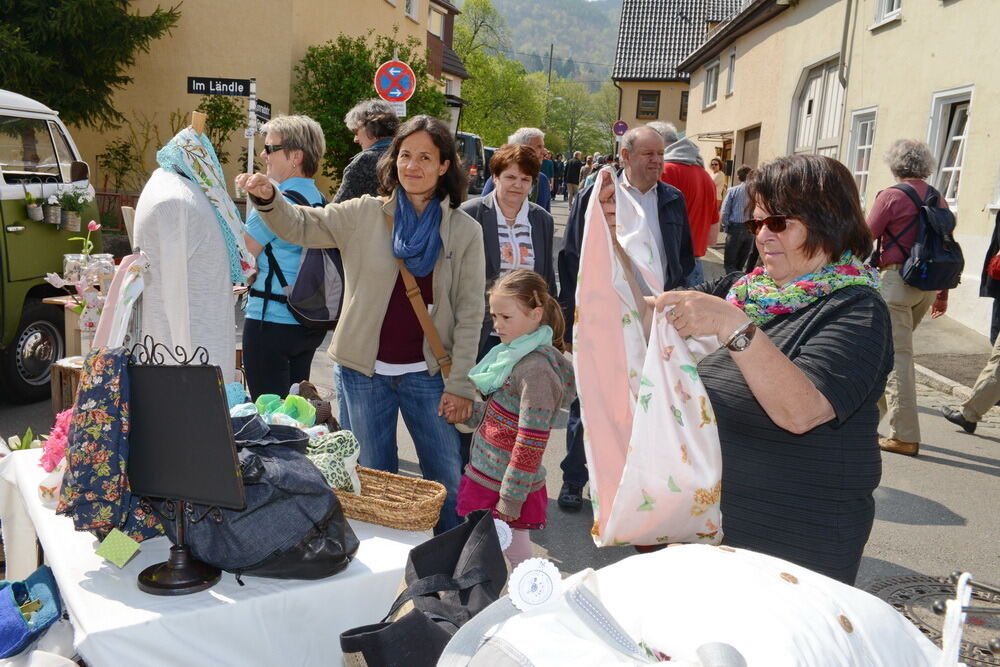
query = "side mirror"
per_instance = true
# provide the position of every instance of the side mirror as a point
(79, 171)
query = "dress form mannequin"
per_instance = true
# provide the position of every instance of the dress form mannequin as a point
(188, 298)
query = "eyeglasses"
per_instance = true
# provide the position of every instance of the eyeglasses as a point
(774, 223)
(272, 148)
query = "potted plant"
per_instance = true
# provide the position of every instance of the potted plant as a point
(33, 205)
(72, 200)
(51, 211)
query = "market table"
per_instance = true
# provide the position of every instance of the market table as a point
(265, 622)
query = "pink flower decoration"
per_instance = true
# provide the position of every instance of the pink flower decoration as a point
(54, 448)
(779, 309)
(92, 226)
(847, 270)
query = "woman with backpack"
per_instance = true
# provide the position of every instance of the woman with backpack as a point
(388, 364)
(277, 350)
(890, 220)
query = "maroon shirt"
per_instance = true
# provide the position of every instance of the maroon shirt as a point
(401, 340)
(893, 210)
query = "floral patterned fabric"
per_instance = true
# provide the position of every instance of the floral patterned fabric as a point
(761, 299)
(650, 433)
(95, 490)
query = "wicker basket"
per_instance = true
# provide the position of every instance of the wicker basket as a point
(406, 503)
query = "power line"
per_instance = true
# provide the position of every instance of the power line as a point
(578, 62)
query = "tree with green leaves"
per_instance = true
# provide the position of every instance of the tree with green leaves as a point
(501, 98)
(225, 116)
(605, 106)
(480, 28)
(73, 54)
(335, 76)
(571, 114)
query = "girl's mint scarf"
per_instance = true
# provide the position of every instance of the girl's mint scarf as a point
(761, 299)
(490, 373)
(192, 155)
(417, 241)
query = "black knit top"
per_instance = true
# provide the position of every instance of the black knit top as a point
(807, 498)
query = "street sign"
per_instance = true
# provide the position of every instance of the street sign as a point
(395, 81)
(263, 110)
(619, 128)
(399, 108)
(205, 85)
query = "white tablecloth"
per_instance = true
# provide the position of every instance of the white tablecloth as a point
(265, 622)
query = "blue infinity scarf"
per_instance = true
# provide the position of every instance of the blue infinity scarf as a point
(417, 241)
(490, 373)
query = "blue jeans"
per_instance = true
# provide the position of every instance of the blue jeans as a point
(697, 275)
(338, 384)
(373, 404)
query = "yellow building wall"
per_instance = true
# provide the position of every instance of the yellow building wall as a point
(896, 68)
(237, 39)
(670, 102)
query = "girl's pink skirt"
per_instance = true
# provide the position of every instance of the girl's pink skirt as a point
(474, 496)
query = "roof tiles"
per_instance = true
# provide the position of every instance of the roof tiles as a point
(655, 35)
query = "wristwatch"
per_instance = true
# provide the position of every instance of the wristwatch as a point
(740, 340)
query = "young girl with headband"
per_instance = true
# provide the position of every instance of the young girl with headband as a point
(525, 381)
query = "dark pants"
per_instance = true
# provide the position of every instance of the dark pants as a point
(739, 243)
(995, 322)
(574, 465)
(276, 356)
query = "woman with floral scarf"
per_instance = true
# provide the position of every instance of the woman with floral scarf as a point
(806, 351)
(385, 365)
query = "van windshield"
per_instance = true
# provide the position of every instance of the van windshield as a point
(26, 150)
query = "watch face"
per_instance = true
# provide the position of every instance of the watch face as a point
(740, 343)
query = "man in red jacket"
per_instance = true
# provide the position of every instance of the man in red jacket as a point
(684, 169)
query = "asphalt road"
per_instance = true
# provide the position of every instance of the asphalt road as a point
(936, 513)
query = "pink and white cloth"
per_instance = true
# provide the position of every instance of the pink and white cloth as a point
(650, 434)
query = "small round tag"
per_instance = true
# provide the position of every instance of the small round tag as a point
(533, 583)
(504, 533)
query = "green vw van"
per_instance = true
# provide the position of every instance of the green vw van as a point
(37, 155)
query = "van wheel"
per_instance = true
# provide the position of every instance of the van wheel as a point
(38, 343)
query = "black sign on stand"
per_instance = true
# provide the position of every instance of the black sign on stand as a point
(207, 85)
(263, 110)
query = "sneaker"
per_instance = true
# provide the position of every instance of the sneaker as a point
(570, 496)
(899, 446)
(956, 417)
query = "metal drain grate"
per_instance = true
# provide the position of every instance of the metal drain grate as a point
(914, 596)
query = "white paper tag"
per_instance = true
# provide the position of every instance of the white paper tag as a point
(534, 583)
(504, 533)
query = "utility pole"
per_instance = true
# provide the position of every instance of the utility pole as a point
(551, 47)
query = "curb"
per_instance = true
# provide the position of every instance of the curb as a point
(929, 378)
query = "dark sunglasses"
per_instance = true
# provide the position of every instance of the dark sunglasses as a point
(269, 148)
(775, 223)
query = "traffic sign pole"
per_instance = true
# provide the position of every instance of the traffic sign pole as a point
(395, 83)
(251, 131)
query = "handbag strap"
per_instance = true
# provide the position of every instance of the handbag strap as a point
(420, 308)
(437, 583)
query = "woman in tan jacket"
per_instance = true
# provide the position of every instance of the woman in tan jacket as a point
(387, 367)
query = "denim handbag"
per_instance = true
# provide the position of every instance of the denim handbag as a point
(17, 629)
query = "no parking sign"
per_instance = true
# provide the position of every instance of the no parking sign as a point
(619, 128)
(395, 83)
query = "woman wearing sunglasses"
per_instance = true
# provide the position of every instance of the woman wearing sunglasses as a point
(277, 350)
(387, 368)
(806, 351)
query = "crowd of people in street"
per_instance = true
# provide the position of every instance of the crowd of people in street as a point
(816, 343)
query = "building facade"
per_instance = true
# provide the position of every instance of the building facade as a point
(653, 37)
(242, 39)
(845, 78)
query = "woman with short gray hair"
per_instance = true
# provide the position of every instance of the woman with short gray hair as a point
(277, 350)
(373, 123)
(909, 159)
(891, 222)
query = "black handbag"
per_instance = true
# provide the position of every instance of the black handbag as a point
(449, 579)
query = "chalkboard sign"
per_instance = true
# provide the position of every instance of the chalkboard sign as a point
(181, 439)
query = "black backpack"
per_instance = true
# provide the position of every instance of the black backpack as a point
(317, 296)
(935, 261)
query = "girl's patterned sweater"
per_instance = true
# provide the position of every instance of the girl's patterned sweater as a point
(514, 425)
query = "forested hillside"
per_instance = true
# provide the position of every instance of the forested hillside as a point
(583, 34)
